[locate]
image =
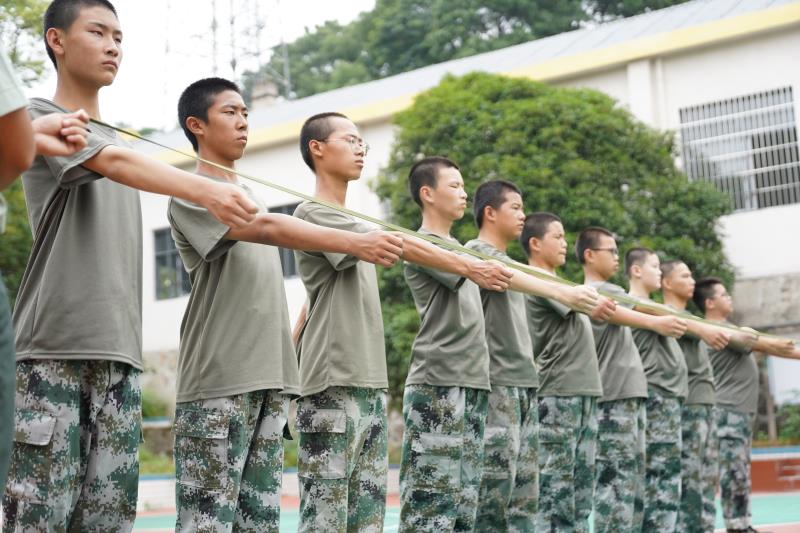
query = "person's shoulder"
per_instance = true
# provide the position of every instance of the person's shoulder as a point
(610, 287)
(484, 247)
(42, 106)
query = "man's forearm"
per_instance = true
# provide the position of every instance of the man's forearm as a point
(423, 253)
(290, 232)
(634, 319)
(522, 282)
(18, 150)
(144, 173)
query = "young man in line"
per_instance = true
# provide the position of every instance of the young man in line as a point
(52, 135)
(509, 490)
(699, 446)
(75, 465)
(341, 414)
(445, 403)
(667, 388)
(236, 377)
(620, 470)
(569, 385)
(736, 380)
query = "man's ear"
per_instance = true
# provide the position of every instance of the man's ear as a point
(534, 244)
(636, 271)
(195, 125)
(55, 40)
(489, 213)
(315, 148)
(426, 194)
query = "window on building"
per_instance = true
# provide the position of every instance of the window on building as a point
(172, 280)
(746, 146)
(287, 256)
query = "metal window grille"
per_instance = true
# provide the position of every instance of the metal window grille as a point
(746, 146)
(287, 256)
(172, 280)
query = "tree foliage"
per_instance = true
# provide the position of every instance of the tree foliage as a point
(20, 33)
(401, 35)
(574, 152)
(15, 243)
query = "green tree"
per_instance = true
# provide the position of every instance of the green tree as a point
(606, 9)
(15, 243)
(20, 34)
(401, 35)
(574, 152)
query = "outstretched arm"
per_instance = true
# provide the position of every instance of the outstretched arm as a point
(486, 274)
(56, 134)
(581, 298)
(18, 150)
(667, 325)
(226, 202)
(377, 247)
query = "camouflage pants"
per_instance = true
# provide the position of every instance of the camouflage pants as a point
(509, 493)
(619, 490)
(7, 359)
(567, 445)
(342, 460)
(229, 462)
(735, 433)
(663, 470)
(75, 463)
(699, 466)
(440, 472)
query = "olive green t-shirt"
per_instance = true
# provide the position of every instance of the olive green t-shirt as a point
(235, 334)
(81, 294)
(736, 378)
(700, 373)
(621, 370)
(342, 342)
(510, 349)
(563, 346)
(450, 347)
(663, 362)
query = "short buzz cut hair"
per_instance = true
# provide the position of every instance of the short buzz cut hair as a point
(316, 128)
(196, 100)
(425, 172)
(704, 289)
(668, 266)
(536, 225)
(636, 256)
(60, 14)
(491, 194)
(588, 240)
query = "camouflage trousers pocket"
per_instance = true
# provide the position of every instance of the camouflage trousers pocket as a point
(322, 450)
(436, 458)
(555, 447)
(497, 462)
(32, 457)
(201, 448)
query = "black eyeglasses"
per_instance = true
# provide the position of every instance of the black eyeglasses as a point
(355, 143)
(614, 251)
